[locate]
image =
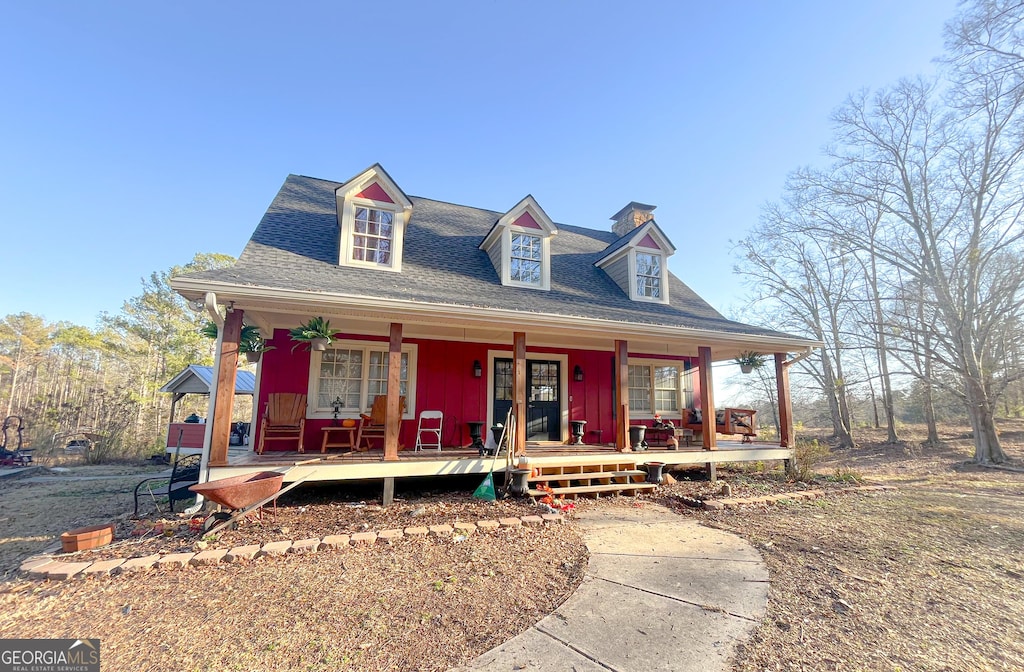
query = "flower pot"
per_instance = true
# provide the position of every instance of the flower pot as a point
(319, 344)
(520, 483)
(84, 538)
(636, 437)
(253, 357)
(746, 368)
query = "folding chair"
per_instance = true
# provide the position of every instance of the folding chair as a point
(432, 428)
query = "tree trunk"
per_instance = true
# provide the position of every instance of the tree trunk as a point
(986, 440)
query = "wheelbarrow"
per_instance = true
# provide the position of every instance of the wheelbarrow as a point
(242, 495)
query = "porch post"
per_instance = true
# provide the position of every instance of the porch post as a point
(785, 401)
(394, 412)
(519, 390)
(225, 400)
(707, 402)
(622, 395)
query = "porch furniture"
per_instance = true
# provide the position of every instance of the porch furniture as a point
(284, 419)
(476, 434)
(374, 425)
(349, 438)
(184, 473)
(660, 432)
(430, 424)
(742, 421)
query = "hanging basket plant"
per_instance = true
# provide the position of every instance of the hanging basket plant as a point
(748, 361)
(316, 332)
(250, 341)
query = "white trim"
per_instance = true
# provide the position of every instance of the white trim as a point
(726, 344)
(501, 234)
(563, 392)
(411, 349)
(346, 223)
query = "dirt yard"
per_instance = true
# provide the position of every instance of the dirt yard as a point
(928, 577)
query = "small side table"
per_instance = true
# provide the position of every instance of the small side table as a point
(339, 442)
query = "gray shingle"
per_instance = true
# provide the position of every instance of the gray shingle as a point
(295, 247)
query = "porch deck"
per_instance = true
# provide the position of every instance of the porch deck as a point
(462, 461)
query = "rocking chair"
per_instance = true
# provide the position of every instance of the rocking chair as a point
(285, 419)
(375, 424)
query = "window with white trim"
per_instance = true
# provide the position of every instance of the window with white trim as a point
(526, 256)
(648, 275)
(355, 372)
(373, 236)
(659, 387)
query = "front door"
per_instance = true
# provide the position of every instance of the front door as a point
(543, 394)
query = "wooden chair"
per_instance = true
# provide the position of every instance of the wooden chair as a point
(284, 419)
(374, 425)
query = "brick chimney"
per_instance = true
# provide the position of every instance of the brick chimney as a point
(630, 217)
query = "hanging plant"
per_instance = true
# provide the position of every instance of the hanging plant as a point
(250, 341)
(316, 331)
(749, 361)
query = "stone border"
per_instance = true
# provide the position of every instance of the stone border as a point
(50, 567)
(772, 500)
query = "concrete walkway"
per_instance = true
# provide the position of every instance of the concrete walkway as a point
(661, 593)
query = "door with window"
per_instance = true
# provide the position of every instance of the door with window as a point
(543, 395)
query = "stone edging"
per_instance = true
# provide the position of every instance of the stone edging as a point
(50, 567)
(772, 500)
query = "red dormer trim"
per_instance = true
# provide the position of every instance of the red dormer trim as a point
(527, 221)
(647, 241)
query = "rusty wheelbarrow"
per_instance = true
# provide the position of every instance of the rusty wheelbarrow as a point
(242, 495)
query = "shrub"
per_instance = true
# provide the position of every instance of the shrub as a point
(809, 453)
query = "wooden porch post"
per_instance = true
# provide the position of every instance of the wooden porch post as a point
(221, 430)
(519, 390)
(707, 400)
(785, 401)
(394, 413)
(622, 395)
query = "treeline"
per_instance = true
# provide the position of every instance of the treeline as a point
(62, 377)
(903, 255)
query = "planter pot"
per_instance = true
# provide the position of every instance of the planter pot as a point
(253, 357)
(636, 437)
(746, 368)
(319, 344)
(84, 538)
(654, 471)
(520, 483)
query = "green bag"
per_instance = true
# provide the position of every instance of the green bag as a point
(486, 489)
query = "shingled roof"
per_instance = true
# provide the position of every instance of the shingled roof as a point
(295, 247)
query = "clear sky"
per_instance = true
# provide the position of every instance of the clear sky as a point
(135, 134)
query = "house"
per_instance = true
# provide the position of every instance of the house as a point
(472, 312)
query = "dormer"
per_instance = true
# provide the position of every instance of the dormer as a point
(372, 215)
(519, 245)
(637, 261)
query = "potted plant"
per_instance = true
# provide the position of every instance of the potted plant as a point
(316, 331)
(250, 342)
(749, 361)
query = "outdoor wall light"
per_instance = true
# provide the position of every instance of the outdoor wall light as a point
(477, 369)
(577, 374)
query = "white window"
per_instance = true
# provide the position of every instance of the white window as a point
(355, 372)
(659, 387)
(373, 236)
(648, 275)
(525, 264)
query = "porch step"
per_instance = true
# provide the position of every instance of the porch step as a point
(574, 491)
(575, 476)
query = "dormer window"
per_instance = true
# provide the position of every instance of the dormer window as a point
(372, 214)
(373, 236)
(525, 265)
(519, 246)
(636, 261)
(648, 275)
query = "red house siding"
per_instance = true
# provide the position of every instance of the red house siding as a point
(445, 382)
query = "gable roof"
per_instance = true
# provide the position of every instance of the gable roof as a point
(294, 247)
(197, 379)
(636, 234)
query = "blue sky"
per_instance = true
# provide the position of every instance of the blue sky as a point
(136, 134)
